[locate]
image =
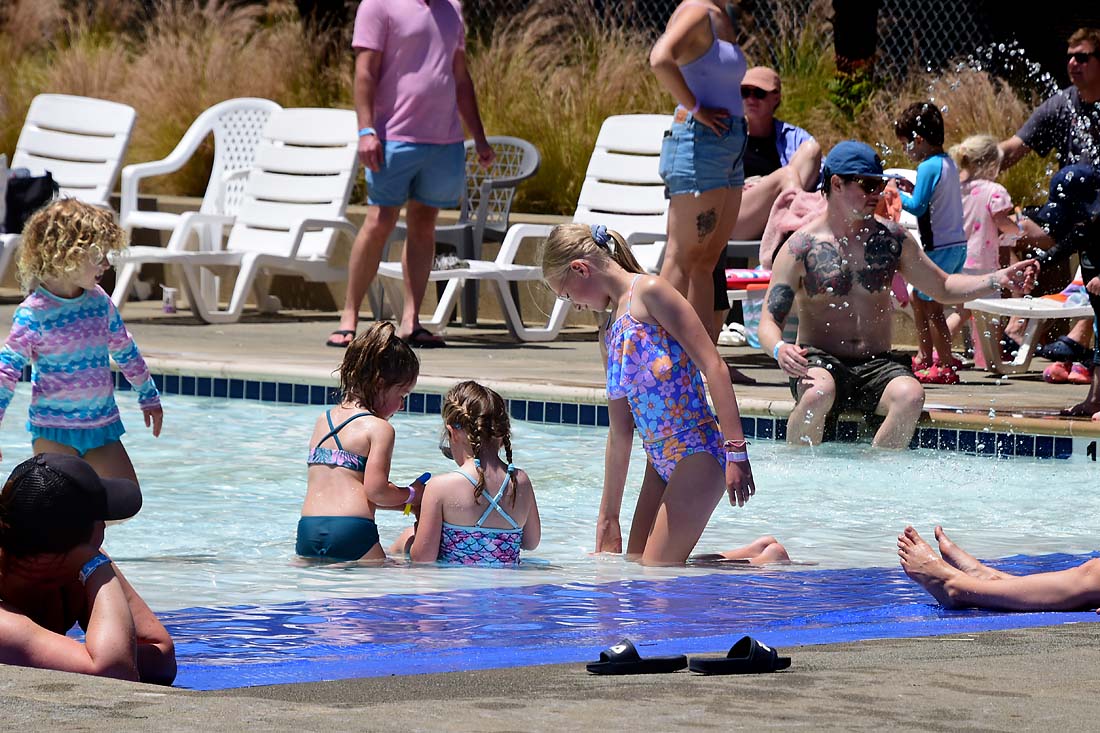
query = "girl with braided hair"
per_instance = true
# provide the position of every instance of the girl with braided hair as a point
(491, 523)
(351, 449)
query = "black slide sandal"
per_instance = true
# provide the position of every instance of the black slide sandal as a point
(747, 656)
(623, 658)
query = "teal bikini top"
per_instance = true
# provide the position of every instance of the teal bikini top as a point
(338, 456)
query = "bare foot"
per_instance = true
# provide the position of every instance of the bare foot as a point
(921, 563)
(762, 550)
(1082, 409)
(963, 560)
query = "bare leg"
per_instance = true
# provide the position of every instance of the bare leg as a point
(400, 546)
(941, 335)
(417, 262)
(901, 402)
(645, 512)
(366, 253)
(756, 203)
(694, 489)
(762, 550)
(1063, 590)
(924, 333)
(109, 461)
(694, 243)
(963, 560)
(816, 394)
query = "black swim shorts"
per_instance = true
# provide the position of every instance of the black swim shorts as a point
(859, 382)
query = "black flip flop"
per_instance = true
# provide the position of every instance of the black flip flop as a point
(424, 339)
(747, 656)
(340, 344)
(623, 658)
(1064, 348)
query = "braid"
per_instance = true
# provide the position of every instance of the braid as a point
(506, 439)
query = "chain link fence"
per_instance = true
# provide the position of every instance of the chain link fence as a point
(913, 34)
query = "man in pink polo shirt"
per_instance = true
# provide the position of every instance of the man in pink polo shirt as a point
(411, 88)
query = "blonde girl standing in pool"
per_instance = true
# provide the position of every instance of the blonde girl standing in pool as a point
(68, 330)
(485, 512)
(653, 341)
(351, 449)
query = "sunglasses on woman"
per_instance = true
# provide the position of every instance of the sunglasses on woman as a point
(1081, 57)
(754, 92)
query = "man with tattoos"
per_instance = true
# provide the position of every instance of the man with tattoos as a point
(836, 270)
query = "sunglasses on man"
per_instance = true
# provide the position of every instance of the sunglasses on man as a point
(1081, 57)
(754, 92)
(869, 184)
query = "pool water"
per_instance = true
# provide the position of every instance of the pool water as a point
(224, 483)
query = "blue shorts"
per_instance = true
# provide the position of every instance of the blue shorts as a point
(950, 259)
(81, 440)
(335, 538)
(434, 175)
(694, 159)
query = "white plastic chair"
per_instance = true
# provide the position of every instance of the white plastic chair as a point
(81, 141)
(501, 273)
(292, 209)
(1034, 310)
(236, 125)
(485, 206)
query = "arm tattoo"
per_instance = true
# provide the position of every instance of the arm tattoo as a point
(780, 301)
(706, 222)
(882, 255)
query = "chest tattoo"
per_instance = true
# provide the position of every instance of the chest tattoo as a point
(882, 254)
(825, 273)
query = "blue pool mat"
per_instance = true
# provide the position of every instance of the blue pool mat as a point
(332, 639)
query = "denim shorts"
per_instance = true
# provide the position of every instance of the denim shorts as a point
(694, 159)
(949, 259)
(432, 174)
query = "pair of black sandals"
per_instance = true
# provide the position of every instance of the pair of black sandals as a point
(747, 656)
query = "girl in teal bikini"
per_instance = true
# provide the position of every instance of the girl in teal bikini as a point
(653, 340)
(351, 448)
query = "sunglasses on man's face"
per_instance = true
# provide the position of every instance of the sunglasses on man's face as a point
(1081, 57)
(754, 92)
(869, 184)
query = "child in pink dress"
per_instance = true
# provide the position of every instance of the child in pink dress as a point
(987, 215)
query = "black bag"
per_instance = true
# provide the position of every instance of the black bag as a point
(26, 195)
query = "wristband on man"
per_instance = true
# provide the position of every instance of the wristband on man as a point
(775, 351)
(91, 566)
(367, 131)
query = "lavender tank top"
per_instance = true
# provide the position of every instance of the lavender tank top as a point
(715, 77)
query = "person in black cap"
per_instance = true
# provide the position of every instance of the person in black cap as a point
(1071, 216)
(837, 270)
(53, 510)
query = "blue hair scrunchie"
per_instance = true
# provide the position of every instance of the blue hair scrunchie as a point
(601, 236)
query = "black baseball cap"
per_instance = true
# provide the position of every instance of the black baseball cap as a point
(51, 501)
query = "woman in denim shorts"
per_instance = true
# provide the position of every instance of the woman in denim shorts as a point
(699, 63)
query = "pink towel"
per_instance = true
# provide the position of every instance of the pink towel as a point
(791, 210)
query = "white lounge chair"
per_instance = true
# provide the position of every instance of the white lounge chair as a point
(1034, 310)
(237, 126)
(501, 273)
(622, 189)
(81, 141)
(485, 207)
(291, 211)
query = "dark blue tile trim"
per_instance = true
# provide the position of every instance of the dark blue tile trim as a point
(571, 413)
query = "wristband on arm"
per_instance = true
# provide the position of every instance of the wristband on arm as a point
(367, 131)
(775, 351)
(91, 566)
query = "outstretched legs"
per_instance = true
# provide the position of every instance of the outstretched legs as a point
(980, 586)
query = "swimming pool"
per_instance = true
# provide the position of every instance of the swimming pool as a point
(223, 486)
(213, 551)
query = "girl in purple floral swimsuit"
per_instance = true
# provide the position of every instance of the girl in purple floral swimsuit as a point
(485, 512)
(653, 341)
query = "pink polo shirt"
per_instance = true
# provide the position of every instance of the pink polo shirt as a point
(414, 100)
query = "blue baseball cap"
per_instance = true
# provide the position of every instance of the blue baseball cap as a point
(853, 158)
(1074, 199)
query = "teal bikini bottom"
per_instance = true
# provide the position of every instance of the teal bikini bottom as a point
(336, 538)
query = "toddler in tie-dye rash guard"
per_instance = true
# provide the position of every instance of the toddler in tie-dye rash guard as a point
(68, 330)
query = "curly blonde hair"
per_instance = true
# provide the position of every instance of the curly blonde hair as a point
(58, 237)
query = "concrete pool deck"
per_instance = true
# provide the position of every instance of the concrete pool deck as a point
(1029, 679)
(1008, 680)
